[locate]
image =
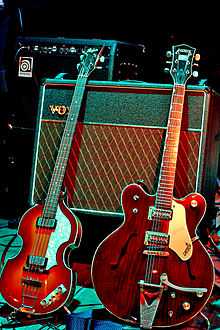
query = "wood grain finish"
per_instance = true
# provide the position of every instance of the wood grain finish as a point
(119, 264)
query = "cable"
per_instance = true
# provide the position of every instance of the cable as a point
(206, 320)
(20, 20)
(8, 235)
(12, 246)
(2, 261)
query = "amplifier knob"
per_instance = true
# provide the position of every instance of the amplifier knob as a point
(72, 50)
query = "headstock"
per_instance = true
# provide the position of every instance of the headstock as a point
(88, 61)
(182, 62)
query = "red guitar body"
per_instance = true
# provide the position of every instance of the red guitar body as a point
(120, 263)
(34, 284)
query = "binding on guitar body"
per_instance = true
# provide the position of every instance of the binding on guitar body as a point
(153, 270)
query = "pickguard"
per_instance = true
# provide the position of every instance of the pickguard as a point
(59, 236)
(180, 240)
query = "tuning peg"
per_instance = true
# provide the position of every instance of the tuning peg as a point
(166, 70)
(102, 59)
(195, 74)
(168, 53)
(197, 57)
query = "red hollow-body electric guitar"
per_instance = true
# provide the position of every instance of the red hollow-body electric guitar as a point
(38, 280)
(153, 270)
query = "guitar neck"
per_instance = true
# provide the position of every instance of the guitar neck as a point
(164, 194)
(55, 187)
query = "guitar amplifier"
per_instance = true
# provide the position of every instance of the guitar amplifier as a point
(119, 140)
(49, 57)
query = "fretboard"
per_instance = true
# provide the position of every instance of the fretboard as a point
(165, 189)
(55, 187)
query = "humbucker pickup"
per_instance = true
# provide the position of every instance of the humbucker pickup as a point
(156, 244)
(156, 238)
(155, 213)
(46, 222)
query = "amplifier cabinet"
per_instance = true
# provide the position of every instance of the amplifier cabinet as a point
(119, 140)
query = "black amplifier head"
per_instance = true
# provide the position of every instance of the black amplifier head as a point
(58, 57)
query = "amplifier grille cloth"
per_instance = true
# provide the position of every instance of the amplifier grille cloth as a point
(105, 158)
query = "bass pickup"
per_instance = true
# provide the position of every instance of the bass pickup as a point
(43, 222)
(36, 264)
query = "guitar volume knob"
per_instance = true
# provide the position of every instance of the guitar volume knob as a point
(170, 314)
(195, 74)
(197, 57)
(173, 295)
(186, 305)
(194, 203)
(136, 197)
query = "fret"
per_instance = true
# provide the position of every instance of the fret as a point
(167, 188)
(168, 160)
(170, 156)
(163, 202)
(164, 196)
(175, 114)
(168, 173)
(168, 164)
(165, 205)
(179, 95)
(178, 103)
(175, 120)
(167, 177)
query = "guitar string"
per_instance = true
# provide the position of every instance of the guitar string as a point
(45, 240)
(56, 181)
(159, 198)
(38, 249)
(170, 133)
(156, 226)
(150, 257)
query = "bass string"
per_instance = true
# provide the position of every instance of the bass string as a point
(62, 158)
(42, 238)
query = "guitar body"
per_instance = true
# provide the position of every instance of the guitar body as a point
(42, 285)
(119, 263)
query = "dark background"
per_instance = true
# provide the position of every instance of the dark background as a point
(157, 26)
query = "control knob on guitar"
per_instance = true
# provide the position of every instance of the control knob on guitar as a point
(39, 280)
(153, 270)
